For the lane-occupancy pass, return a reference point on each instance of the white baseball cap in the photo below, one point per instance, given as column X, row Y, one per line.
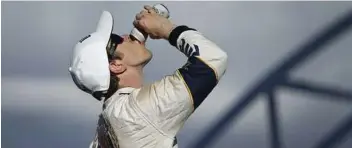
column 89, row 66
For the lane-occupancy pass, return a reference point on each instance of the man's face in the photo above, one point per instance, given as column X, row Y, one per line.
column 129, row 53
column 133, row 53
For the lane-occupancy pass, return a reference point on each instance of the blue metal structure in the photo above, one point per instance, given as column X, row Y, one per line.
column 279, row 77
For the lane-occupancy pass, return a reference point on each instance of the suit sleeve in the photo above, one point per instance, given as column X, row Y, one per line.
column 176, row 96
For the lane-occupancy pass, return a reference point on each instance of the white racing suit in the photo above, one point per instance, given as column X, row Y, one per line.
column 151, row 116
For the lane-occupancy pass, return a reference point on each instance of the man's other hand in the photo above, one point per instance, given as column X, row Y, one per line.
column 156, row 26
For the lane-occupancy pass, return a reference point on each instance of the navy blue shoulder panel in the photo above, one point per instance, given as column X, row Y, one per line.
column 200, row 79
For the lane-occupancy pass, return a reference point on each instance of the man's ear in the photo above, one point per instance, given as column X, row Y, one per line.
column 117, row 67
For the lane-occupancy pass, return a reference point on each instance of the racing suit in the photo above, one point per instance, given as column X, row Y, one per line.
column 151, row 116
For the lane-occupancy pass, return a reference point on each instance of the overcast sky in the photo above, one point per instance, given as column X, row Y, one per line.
column 41, row 106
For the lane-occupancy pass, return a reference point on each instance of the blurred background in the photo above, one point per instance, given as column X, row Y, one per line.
column 41, row 106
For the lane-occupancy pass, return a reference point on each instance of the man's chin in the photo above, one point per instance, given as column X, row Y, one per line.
column 147, row 61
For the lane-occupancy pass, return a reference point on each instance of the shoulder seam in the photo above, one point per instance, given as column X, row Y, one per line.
column 188, row 90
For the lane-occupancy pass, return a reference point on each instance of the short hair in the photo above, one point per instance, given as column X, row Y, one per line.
column 113, row 86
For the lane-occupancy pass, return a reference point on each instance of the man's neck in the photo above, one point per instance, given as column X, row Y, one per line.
column 133, row 78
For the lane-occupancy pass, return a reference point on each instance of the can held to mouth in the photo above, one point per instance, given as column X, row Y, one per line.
column 141, row 36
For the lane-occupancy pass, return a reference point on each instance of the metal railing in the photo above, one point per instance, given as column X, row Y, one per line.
column 279, row 77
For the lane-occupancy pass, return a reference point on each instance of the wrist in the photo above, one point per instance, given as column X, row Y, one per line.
column 176, row 32
column 168, row 31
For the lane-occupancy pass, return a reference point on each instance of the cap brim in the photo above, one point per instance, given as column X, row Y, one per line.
column 104, row 29
column 105, row 25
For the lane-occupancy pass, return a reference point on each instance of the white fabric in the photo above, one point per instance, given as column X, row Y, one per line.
column 89, row 65
column 151, row 116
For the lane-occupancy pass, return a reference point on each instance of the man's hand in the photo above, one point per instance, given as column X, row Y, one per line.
column 156, row 26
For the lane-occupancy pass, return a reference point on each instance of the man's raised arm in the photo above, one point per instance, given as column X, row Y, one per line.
column 168, row 103
column 206, row 62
